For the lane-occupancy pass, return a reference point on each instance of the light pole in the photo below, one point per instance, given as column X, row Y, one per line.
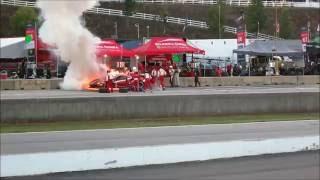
column 258, row 29
column 219, row 23
column 116, row 28
column 138, row 29
column 148, row 27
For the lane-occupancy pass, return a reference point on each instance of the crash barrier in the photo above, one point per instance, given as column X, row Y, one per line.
column 38, row 84
column 252, row 81
column 154, row 106
column 29, row 84
column 93, row 159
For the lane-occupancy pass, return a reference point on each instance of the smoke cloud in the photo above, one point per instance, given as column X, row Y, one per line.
column 76, row 45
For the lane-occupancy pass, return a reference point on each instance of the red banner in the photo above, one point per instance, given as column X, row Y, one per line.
column 241, row 38
column 304, row 36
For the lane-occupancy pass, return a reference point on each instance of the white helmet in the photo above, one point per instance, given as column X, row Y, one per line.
column 134, row 69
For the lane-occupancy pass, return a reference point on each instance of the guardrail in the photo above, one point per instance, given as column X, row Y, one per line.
column 279, row 3
column 151, row 17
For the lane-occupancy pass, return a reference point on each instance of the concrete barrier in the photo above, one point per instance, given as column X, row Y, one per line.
column 64, row 161
column 36, row 84
column 129, row 107
column 29, row 84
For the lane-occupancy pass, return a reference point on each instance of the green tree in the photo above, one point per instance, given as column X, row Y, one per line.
column 130, row 7
column 22, row 17
column 285, row 24
column 255, row 16
column 216, row 19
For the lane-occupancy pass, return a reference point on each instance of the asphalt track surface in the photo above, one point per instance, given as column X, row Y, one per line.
column 18, row 143
column 290, row 166
column 47, row 94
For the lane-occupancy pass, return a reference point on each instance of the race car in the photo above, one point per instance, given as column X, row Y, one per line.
column 120, row 82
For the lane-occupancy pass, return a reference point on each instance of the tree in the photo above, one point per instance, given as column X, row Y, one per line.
column 22, row 17
column 256, row 17
column 130, row 7
column 216, row 19
column 285, row 24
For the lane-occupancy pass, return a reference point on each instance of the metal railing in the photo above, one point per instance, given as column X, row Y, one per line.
column 277, row 3
column 144, row 16
column 233, row 30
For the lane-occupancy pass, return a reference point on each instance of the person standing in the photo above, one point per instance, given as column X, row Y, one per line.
column 147, row 81
column 196, row 78
column 162, row 73
column 177, row 77
column 108, row 82
column 171, row 74
column 154, row 73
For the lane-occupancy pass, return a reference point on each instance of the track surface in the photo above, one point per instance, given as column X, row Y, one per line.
column 112, row 138
column 45, row 94
column 292, row 166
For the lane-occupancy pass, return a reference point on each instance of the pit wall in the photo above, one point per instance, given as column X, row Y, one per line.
column 37, row 84
column 130, row 107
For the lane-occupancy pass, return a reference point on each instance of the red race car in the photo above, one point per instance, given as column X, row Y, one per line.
column 120, row 82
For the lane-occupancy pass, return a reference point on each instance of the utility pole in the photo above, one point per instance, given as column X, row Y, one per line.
column 148, row 33
column 116, row 29
column 258, row 28
column 138, row 29
column 219, row 22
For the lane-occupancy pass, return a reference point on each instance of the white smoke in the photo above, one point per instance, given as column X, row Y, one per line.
column 76, row 45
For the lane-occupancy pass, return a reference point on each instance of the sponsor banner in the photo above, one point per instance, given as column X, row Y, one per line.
column 171, row 43
column 304, row 36
column 30, row 39
column 241, row 38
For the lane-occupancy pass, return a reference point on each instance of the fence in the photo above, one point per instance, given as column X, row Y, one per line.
column 144, row 16
column 266, row 3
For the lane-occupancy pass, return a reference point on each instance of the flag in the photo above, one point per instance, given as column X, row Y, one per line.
column 176, row 58
column 28, row 38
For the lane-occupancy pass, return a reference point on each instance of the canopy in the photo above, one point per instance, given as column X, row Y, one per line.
column 166, row 45
column 272, row 48
column 314, row 46
column 12, row 48
column 113, row 49
column 44, row 46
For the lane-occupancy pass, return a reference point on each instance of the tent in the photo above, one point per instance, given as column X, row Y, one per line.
column 12, row 48
column 112, row 48
column 272, row 48
column 314, row 46
column 166, row 45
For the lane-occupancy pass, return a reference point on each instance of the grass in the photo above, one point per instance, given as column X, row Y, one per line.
column 131, row 123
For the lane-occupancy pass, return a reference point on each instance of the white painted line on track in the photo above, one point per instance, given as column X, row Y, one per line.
column 158, row 127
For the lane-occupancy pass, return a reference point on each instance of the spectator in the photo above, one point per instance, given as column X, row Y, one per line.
column 177, row 77
column 196, row 78
column 229, row 69
column 162, row 73
column 171, row 74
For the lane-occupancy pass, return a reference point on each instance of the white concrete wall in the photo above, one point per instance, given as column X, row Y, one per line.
column 51, row 162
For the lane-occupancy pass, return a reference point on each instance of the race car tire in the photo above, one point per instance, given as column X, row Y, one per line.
column 123, row 90
column 103, row 90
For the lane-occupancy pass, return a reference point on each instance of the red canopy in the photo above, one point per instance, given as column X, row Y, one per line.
column 44, row 46
column 113, row 49
column 166, row 45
